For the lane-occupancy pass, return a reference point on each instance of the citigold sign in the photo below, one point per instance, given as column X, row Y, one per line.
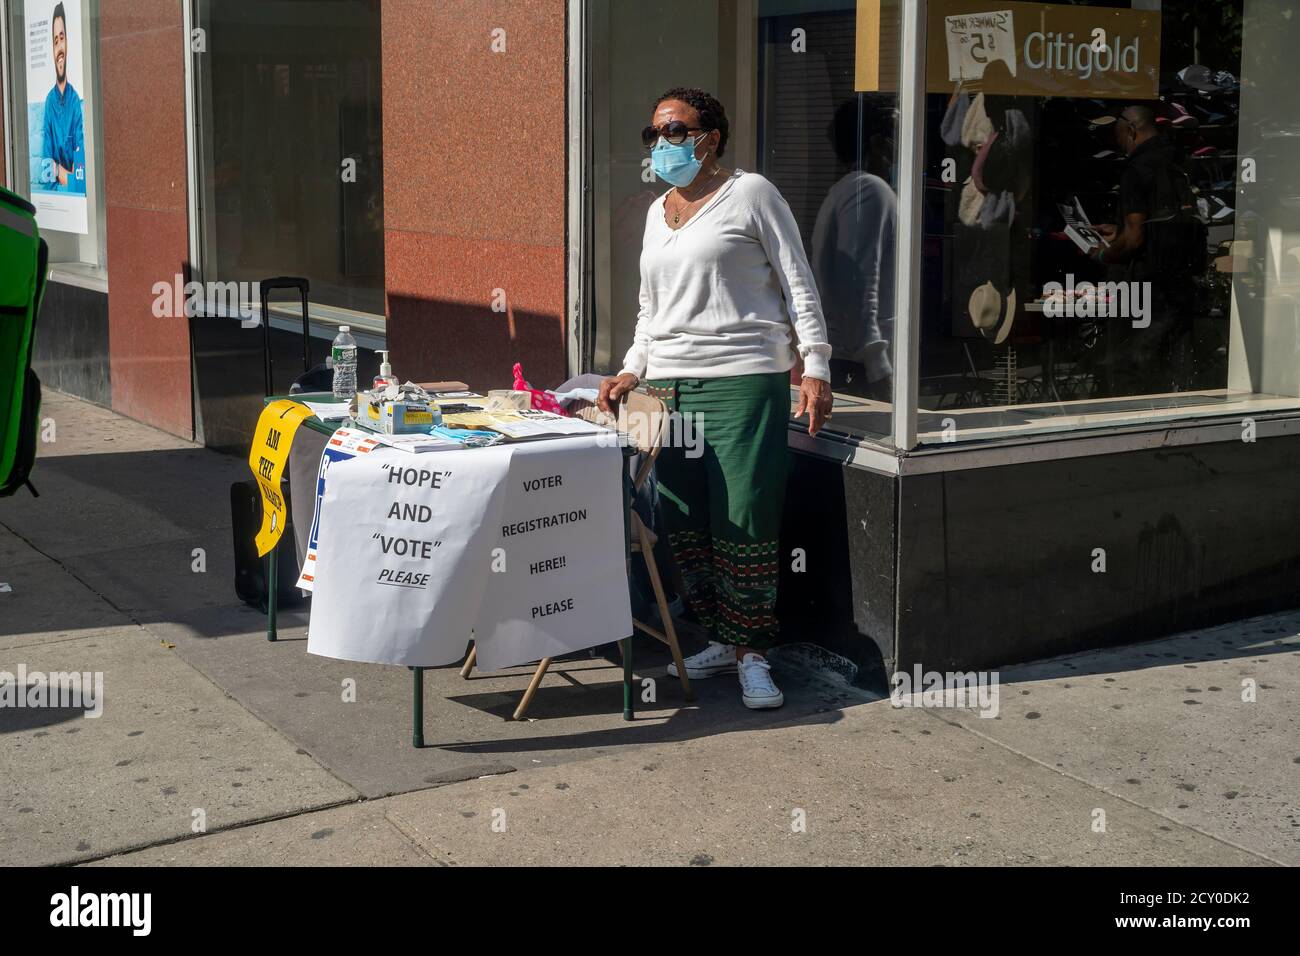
column 1044, row 49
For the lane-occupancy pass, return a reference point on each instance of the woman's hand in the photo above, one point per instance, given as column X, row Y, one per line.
column 612, row 391
column 815, row 399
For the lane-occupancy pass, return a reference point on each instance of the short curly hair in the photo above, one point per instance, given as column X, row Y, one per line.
column 712, row 113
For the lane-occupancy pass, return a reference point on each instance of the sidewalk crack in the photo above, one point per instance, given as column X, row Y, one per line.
column 1100, row 789
column 73, row 574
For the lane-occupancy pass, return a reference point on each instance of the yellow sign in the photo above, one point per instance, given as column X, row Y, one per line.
column 267, row 458
column 1043, row 49
column 875, row 62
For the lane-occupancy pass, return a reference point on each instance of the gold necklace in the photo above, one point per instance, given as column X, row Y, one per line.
column 677, row 216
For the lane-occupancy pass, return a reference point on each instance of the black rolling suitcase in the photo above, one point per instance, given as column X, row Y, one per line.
column 250, row 570
column 246, row 499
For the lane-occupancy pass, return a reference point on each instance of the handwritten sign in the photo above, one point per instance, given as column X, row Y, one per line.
column 266, row 458
column 977, row 39
column 561, row 585
column 522, row 545
column 403, row 554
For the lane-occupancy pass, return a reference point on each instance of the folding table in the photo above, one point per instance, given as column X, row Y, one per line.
column 325, row 430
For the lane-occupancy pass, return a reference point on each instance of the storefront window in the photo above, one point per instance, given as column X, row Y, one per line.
column 53, row 101
column 1166, row 134
column 289, row 147
column 810, row 89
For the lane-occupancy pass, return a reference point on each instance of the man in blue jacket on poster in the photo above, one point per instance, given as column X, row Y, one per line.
column 63, row 145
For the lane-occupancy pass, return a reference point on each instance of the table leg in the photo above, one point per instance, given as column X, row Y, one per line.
column 469, row 662
column 272, row 592
column 625, row 645
column 627, row 677
column 417, row 708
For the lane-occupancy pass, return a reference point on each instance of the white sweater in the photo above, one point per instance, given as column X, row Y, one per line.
column 720, row 295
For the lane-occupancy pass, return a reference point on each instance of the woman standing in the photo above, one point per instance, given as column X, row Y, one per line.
column 724, row 283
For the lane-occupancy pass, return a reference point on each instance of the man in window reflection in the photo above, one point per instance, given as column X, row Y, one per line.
column 63, row 145
column 1158, row 239
column 853, row 259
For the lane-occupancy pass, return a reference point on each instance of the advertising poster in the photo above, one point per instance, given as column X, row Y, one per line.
column 56, row 139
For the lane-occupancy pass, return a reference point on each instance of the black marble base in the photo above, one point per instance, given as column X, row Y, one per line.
column 71, row 350
column 992, row 566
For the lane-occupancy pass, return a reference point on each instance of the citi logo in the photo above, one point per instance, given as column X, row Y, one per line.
column 103, row 909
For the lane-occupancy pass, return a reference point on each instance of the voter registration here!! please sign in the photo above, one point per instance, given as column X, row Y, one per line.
column 521, row 544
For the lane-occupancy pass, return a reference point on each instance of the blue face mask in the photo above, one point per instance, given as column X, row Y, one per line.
column 676, row 164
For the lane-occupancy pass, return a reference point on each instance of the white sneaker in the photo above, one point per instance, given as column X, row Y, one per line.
column 756, row 687
column 713, row 660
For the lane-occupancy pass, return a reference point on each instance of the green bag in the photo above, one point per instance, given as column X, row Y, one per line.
column 25, row 259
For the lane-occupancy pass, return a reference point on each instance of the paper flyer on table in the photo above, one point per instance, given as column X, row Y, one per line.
column 344, row 444
column 417, row 444
column 523, row 423
column 329, row 411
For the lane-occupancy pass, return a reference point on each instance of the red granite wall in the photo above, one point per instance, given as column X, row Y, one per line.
column 474, row 188
column 142, row 73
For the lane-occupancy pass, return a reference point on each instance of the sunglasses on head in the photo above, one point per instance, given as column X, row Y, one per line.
column 674, row 131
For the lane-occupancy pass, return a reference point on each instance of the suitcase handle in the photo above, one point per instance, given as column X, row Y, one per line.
column 267, row 286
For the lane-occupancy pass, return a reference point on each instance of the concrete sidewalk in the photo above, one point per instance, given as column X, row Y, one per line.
column 217, row 747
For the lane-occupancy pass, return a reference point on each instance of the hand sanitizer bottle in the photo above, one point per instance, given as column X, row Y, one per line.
column 385, row 376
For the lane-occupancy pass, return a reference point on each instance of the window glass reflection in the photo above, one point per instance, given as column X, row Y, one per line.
column 1087, row 208
column 290, row 145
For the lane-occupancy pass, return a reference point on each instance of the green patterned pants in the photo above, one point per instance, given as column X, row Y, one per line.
column 722, row 476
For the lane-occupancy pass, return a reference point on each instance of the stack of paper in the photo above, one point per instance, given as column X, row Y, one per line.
column 523, row 424
column 328, row 411
column 416, row 443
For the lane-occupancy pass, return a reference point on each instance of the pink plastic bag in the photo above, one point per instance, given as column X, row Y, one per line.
column 541, row 399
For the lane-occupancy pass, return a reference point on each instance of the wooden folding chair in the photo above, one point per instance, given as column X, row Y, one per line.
column 644, row 421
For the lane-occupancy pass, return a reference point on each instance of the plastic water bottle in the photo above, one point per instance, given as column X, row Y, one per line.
column 343, row 359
